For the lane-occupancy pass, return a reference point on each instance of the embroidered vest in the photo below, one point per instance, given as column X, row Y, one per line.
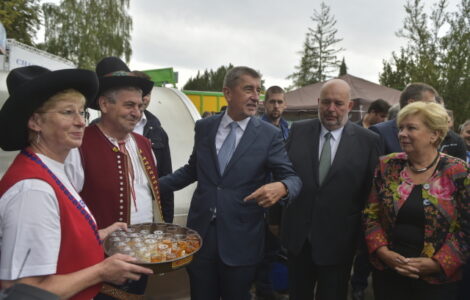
column 106, row 188
column 79, row 244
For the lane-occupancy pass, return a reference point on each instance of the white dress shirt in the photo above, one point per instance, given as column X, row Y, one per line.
column 139, row 127
column 224, row 130
column 334, row 141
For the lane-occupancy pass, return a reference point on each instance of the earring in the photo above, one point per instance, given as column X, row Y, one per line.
column 38, row 137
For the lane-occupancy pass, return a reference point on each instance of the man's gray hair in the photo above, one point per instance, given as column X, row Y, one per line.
column 234, row 74
column 111, row 94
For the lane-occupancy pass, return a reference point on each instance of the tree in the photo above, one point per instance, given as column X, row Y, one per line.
column 21, row 19
column 434, row 56
column 209, row 80
column 456, row 63
column 84, row 31
column 319, row 56
column 343, row 69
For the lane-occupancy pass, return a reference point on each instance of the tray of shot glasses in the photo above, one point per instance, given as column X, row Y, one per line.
column 161, row 247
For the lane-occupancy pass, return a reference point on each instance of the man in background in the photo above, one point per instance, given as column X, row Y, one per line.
column 274, row 106
column 388, row 131
column 377, row 113
column 150, row 127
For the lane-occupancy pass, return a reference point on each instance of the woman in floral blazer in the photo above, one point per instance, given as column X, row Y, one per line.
column 417, row 220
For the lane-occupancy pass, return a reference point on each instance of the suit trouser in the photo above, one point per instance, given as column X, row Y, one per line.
column 211, row 279
column 362, row 267
column 331, row 282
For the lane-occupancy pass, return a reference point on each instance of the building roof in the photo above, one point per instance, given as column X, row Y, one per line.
column 305, row 98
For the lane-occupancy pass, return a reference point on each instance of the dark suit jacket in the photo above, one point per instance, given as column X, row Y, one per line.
column 240, row 225
column 154, row 131
column 388, row 131
column 329, row 215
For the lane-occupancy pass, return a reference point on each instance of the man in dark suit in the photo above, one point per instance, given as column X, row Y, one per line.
column 232, row 155
column 388, row 131
column 335, row 160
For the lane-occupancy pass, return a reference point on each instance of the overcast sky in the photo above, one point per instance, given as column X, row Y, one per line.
column 192, row 35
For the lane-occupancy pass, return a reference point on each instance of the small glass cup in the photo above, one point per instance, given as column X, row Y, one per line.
column 158, row 234
column 144, row 232
column 157, row 256
column 171, row 256
column 150, row 242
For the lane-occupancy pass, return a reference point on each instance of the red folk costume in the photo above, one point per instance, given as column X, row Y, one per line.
column 80, row 246
column 106, row 189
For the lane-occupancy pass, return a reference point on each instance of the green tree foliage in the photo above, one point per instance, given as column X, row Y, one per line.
column 21, row 19
column 437, row 52
column 343, row 69
column 319, row 55
column 85, row 31
column 209, row 80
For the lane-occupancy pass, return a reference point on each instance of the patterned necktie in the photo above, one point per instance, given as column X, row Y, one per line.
column 228, row 147
column 325, row 158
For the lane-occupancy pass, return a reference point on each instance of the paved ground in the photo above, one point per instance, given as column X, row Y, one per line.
column 175, row 286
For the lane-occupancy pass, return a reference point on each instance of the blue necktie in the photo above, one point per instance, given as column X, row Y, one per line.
column 228, row 147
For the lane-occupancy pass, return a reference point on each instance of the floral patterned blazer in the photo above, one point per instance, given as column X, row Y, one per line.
column 446, row 199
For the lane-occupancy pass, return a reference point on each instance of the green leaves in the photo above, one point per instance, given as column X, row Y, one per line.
column 209, row 80
column 85, row 31
column 437, row 52
column 21, row 19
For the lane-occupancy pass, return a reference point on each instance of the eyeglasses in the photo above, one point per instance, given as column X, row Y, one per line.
column 69, row 114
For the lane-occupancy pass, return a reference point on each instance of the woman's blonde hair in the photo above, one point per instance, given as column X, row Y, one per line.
column 433, row 115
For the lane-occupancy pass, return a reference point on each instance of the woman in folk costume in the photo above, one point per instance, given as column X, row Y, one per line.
column 49, row 238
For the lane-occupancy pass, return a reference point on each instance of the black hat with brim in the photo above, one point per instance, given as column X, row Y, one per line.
column 114, row 73
column 29, row 87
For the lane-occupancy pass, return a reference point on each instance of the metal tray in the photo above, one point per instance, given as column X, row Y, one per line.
column 167, row 265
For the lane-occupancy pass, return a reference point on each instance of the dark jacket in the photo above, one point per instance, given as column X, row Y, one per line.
column 454, row 145
column 329, row 215
column 240, row 225
column 388, row 131
column 159, row 141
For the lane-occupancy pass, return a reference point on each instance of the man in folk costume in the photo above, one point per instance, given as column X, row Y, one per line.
column 115, row 169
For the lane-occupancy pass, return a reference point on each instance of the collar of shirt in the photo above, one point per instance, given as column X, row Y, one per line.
column 336, row 134
column 115, row 141
column 224, row 130
column 139, row 127
column 334, row 141
column 226, row 120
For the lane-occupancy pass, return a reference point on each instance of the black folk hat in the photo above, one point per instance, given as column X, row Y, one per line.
column 29, row 87
column 113, row 72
